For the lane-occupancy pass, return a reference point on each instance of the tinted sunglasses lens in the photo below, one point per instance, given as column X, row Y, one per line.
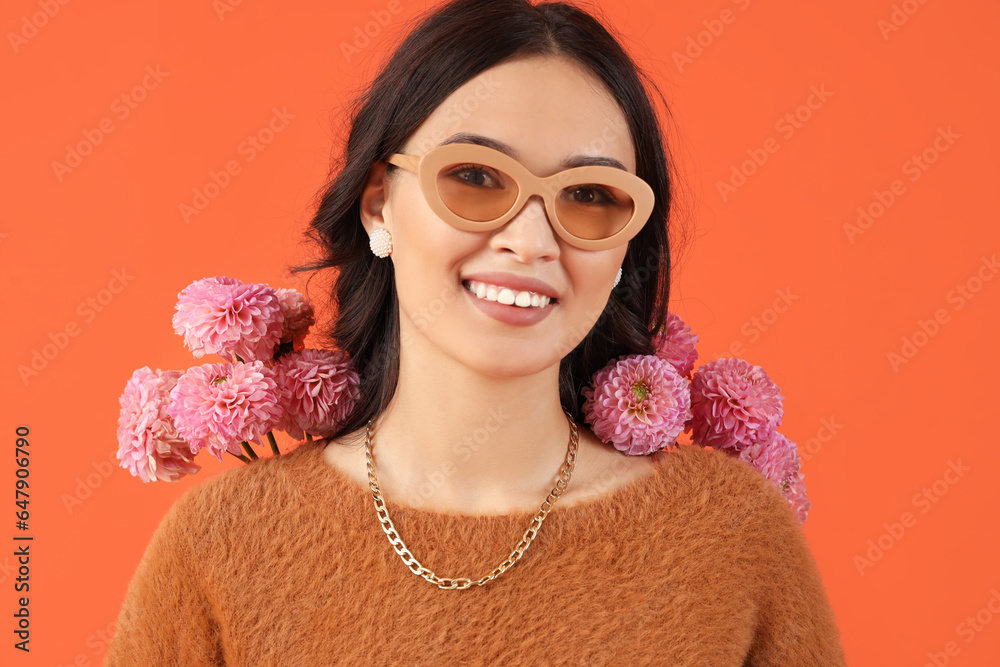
column 593, row 211
column 476, row 192
column 481, row 193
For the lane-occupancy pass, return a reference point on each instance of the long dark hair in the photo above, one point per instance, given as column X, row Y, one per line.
column 450, row 45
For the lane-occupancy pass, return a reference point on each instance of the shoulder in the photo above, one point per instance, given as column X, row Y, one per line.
column 710, row 468
column 234, row 516
column 720, row 487
column 238, row 494
column 719, row 515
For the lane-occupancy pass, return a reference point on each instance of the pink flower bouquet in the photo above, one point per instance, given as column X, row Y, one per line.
column 268, row 381
column 641, row 403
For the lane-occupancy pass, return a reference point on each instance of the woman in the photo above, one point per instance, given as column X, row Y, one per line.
column 476, row 300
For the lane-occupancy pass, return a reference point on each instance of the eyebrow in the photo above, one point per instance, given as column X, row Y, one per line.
column 568, row 163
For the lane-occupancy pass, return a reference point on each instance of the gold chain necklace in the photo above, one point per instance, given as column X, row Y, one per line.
column 460, row 583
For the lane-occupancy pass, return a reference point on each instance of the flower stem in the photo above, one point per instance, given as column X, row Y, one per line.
column 309, row 437
column 274, row 445
column 249, row 450
column 240, row 457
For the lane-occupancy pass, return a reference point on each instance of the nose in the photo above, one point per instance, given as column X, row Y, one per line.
column 529, row 233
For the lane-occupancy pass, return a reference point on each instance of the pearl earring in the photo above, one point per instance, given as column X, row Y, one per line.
column 617, row 278
column 380, row 242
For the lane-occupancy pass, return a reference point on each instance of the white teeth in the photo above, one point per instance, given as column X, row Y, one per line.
column 505, row 295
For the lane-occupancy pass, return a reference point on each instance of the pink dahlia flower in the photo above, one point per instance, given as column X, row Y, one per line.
column 639, row 404
column 318, row 389
column 298, row 316
column 148, row 443
column 223, row 316
column 795, row 494
column 218, row 406
column 777, row 459
column 735, row 404
column 676, row 344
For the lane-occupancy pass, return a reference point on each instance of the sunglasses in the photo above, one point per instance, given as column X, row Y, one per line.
column 478, row 189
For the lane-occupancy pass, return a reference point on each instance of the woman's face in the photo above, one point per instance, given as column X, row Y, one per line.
column 547, row 110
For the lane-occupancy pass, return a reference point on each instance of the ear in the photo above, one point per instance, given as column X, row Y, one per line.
column 373, row 198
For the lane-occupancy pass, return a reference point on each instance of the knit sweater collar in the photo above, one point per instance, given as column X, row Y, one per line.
column 334, row 494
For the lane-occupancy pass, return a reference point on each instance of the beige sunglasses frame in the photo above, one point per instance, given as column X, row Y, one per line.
column 427, row 166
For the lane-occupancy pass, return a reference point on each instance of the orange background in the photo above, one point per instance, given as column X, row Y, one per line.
column 895, row 430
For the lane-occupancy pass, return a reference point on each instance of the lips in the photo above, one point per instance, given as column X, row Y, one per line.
column 513, row 281
column 507, row 296
column 512, row 315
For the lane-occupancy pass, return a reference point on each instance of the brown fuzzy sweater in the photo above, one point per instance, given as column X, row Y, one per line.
column 284, row 562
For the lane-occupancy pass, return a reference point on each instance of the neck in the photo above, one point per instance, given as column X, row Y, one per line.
column 453, row 437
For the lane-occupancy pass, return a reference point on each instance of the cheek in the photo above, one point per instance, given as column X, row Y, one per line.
column 592, row 273
column 592, row 276
column 426, row 265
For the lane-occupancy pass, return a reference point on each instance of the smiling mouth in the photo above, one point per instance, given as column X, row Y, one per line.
column 508, row 296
